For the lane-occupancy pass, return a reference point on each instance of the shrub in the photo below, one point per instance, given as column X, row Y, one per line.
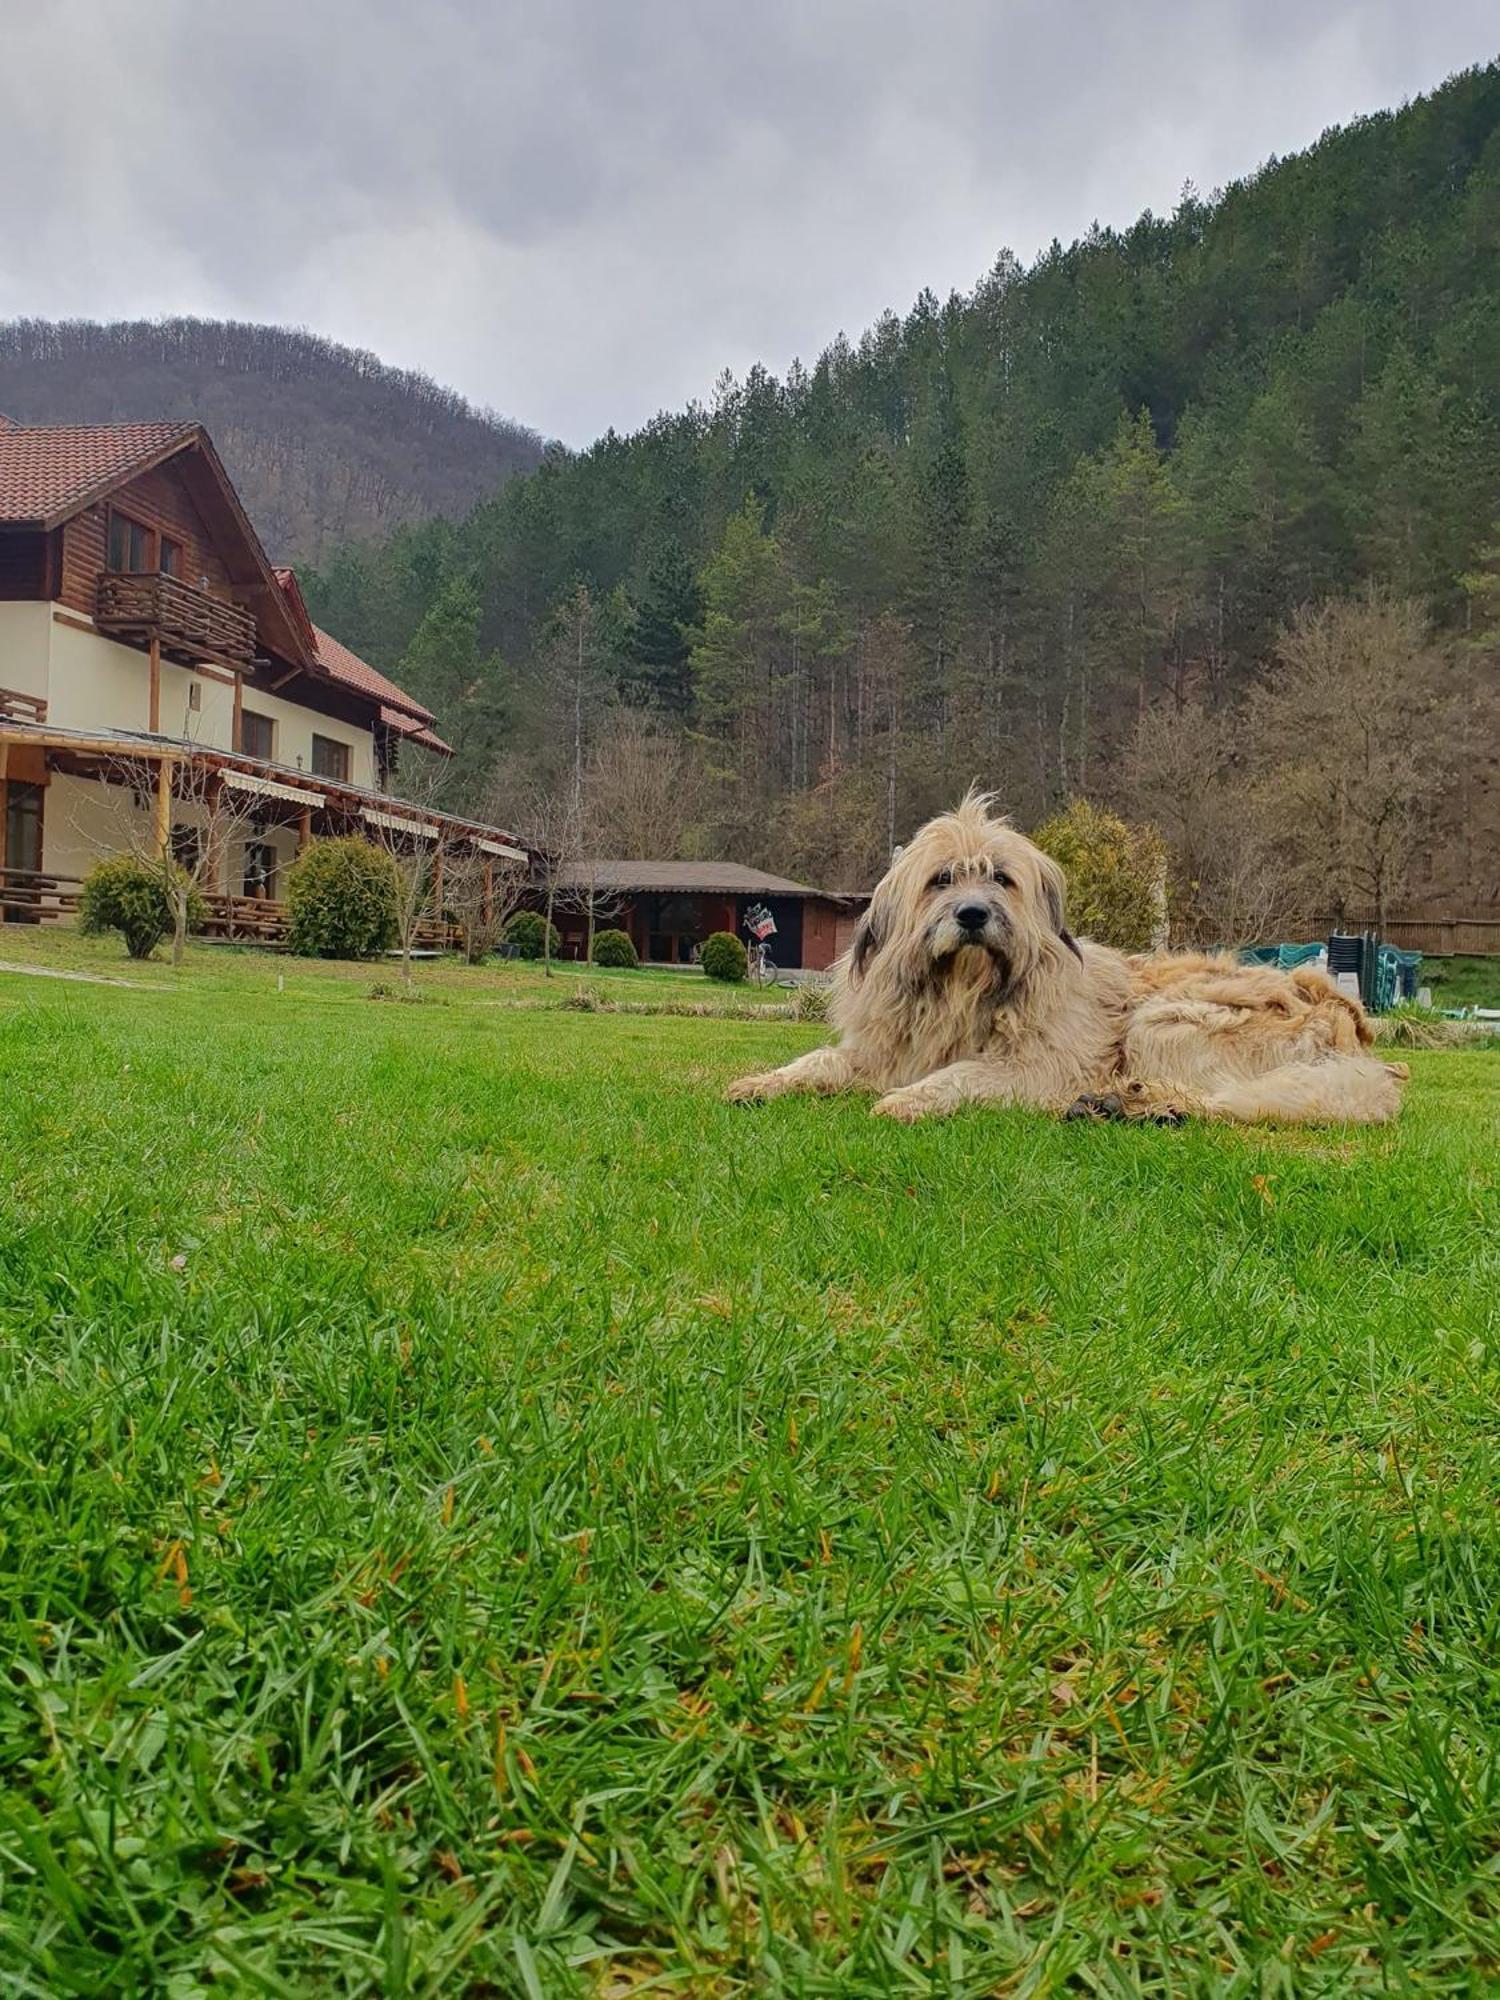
column 341, row 898
column 1116, row 873
column 131, row 896
column 614, row 948
column 724, row 957
column 811, row 1000
column 527, row 932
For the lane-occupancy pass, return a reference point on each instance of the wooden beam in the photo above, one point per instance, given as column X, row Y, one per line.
column 304, row 830
column 489, row 893
column 4, row 798
column 154, row 708
column 164, row 805
column 239, row 709
column 213, row 865
column 437, row 883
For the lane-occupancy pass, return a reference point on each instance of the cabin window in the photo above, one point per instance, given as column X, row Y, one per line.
column 257, row 735
column 330, row 759
column 130, row 545
column 171, row 557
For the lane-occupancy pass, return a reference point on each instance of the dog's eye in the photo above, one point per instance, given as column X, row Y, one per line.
column 1004, row 881
column 942, row 880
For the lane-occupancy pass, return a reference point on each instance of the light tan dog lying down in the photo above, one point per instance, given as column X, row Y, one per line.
column 964, row 986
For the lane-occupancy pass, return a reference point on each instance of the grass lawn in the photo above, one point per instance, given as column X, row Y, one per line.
column 481, row 1516
column 1463, row 982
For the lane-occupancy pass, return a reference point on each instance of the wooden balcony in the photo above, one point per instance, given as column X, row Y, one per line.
column 29, row 709
column 187, row 623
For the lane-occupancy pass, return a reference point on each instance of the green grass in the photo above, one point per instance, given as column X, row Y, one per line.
column 1463, row 982
column 479, row 1515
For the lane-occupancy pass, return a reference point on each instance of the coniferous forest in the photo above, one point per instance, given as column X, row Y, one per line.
column 1199, row 520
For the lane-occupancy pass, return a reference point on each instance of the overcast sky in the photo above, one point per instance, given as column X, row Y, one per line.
column 581, row 212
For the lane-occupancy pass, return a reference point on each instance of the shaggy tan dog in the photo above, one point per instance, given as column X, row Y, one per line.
column 964, row 985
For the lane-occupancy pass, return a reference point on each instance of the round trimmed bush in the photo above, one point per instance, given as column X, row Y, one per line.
column 527, row 934
column 341, row 898
column 614, row 948
column 724, row 957
column 1117, row 874
column 130, row 896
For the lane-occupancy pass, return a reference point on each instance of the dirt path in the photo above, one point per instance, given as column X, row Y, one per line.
column 81, row 978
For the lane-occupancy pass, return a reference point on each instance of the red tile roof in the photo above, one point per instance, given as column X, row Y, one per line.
column 415, row 732
column 340, row 664
column 49, row 471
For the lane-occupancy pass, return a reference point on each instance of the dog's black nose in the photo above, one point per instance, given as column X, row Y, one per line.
column 973, row 916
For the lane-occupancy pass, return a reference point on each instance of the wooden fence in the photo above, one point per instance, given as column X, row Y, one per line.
column 1436, row 937
column 28, row 896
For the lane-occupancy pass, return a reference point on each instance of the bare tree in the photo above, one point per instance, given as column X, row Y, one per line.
column 415, row 834
column 646, row 788
column 483, row 891
column 1351, row 738
column 178, row 817
column 551, row 822
column 1186, row 771
column 583, row 890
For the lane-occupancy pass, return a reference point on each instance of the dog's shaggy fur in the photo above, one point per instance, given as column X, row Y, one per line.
column 964, row 985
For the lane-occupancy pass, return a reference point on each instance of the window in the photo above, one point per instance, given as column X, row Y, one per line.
column 130, row 545
column 171, row 557
column 330, row 759
column 260, row 870
column 257, row 735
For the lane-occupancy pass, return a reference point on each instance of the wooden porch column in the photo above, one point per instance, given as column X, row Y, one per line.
column 163, row 805
column 214, row 859
column 489, row 888
column 239, row 704
column 154, row 709
column 304, row 830
column 437, row 883
column 4, row 797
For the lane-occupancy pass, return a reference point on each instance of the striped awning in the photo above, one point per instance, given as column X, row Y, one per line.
column 396, row 824
column 269, row 788
column 499, row 847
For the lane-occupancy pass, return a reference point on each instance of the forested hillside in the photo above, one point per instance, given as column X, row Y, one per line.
column 1197, row 519
column 327, row 446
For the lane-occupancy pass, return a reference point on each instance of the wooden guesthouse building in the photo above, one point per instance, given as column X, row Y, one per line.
column 150, row 653
column 668, row 909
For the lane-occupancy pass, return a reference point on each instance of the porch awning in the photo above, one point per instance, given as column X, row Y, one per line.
column 243, row 781
column 499, row 847
column 419, row 827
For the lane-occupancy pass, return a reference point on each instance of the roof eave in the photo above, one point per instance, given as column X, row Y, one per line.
column 107, row 482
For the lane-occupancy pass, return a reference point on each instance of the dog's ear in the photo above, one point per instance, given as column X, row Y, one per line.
column 867, row 941
column 1054, row 889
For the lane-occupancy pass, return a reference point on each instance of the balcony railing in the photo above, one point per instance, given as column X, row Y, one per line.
column 182, row 618
column 27, row 708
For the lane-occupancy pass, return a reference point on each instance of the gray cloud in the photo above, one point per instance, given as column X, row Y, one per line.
column 581, row 212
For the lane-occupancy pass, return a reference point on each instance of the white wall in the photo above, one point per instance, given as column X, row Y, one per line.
column 85, row 820
column 295, row 728
column 25, row 637
column 91, row 682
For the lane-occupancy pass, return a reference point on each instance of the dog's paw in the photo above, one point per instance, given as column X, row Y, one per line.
column 906, row 1105
column 1097, row 1109
column 750, row 1090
